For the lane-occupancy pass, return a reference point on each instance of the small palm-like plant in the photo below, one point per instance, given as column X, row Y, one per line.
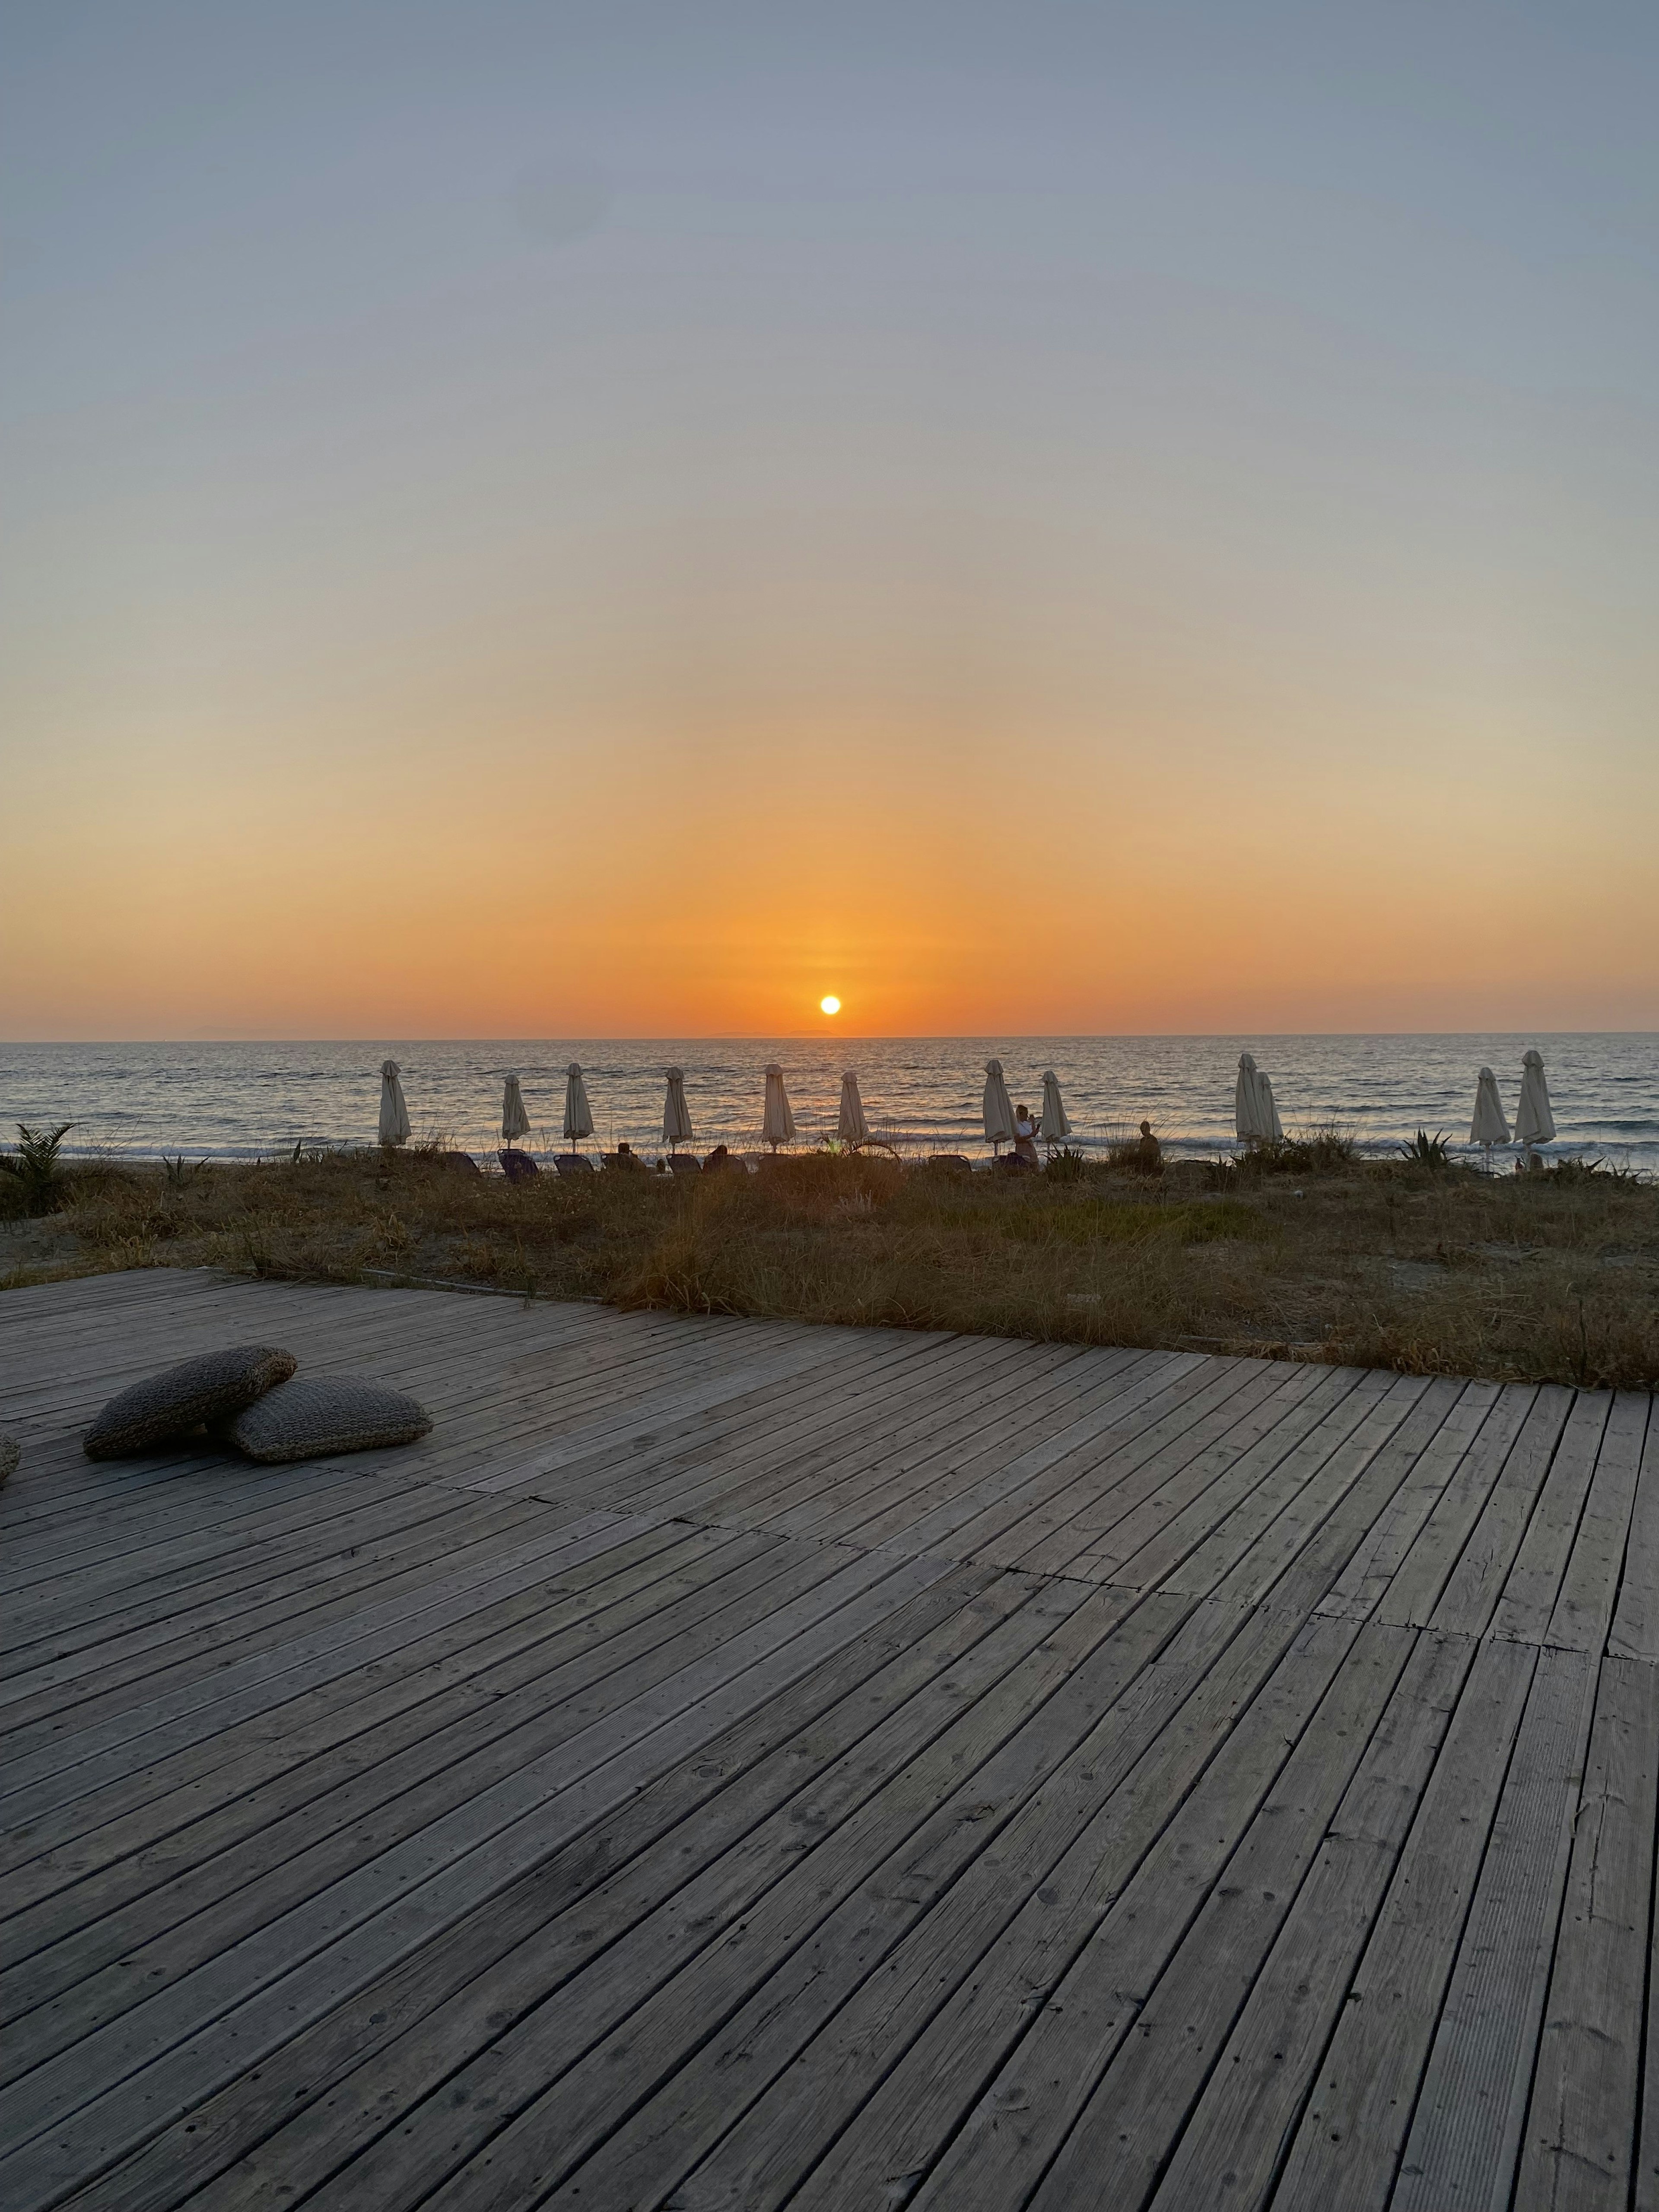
column 1572, row 1169
column 1068, row 1164
column 33, row 1167
column 1427, row 1152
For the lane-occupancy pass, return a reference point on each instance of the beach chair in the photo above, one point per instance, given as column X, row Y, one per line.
column 517, row 1167
column 573, row 1164
column 949, row 1162
column 684, row 1164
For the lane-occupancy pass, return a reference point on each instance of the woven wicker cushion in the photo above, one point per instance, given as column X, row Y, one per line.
column 181, row 1399
column 10, row 1452
column 325, row 1414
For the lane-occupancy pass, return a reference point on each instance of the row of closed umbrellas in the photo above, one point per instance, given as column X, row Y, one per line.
column 777, row 1116
column 1255, row 1111
column 1255, row 1114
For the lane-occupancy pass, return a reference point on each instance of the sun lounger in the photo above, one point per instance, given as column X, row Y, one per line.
column 950, row 1163
column 684, row 1164
column 517, row 1167
column 573, row 1164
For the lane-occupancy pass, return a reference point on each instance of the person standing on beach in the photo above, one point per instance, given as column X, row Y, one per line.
column 1149, row 1153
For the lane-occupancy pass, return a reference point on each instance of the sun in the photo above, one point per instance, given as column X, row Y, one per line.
column 830, row 1005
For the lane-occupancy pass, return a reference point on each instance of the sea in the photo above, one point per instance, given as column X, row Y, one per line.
column 239, row 1100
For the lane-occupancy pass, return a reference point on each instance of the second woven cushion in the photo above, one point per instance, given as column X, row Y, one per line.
column 319, row 1415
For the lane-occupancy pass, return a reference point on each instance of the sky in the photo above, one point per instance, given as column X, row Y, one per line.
column 623, row 520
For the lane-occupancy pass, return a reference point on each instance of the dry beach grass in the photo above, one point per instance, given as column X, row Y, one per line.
column 1420, row 1268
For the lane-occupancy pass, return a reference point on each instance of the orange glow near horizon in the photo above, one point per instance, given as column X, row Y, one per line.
column 950, row 900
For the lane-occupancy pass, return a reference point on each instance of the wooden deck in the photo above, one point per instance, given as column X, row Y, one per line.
column 734, row 1764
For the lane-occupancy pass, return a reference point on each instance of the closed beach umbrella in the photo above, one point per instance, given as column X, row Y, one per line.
column 1270, row 1109
column 1256, row 1116
column 394, row 1114
column 1246, row 1104
column 1534, row 1124
column 777, row 1123
column 578, row 1114
column 997, row 1108
column 850, row 1125
column 515, row 1122
column 1054, row 1127
column 676, row 1114
column 1489, row 1125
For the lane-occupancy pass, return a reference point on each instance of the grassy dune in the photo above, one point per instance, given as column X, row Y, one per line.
column 1423, row 1269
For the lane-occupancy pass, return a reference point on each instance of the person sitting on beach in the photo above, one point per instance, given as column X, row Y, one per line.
column 1026, row 1130
column 720, row 1158
column 1149, row 1153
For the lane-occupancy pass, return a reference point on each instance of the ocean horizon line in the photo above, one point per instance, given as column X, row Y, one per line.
column 823, row 1036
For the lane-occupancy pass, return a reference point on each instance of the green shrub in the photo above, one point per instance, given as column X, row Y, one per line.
column 1570, row 1172
column 1328, row 1150
column 34, row 1180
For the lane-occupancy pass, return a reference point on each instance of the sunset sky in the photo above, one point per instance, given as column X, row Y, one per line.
column 567, row 519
